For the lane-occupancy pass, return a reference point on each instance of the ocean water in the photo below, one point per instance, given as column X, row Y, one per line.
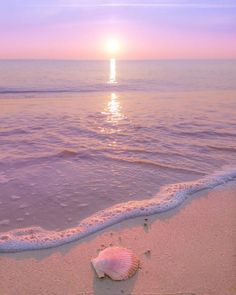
column 80, row 137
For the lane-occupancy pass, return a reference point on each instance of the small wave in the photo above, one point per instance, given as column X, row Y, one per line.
column 154, row 164
column 90, row 88
column 223, row 149
column 168, row 198
column 67, row 153
column 207, row 133
column 12, row 132
column 83, row 89
column 28, row 161
column 43, row 91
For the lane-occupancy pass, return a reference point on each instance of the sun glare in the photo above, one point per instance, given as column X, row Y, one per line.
column 113, row 46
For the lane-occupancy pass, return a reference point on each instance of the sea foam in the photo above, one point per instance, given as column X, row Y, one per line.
column 168, row 198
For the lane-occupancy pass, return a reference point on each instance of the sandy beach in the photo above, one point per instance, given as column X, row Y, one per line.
column 189, row 250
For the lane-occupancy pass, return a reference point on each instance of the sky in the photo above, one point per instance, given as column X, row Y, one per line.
column 151, row 29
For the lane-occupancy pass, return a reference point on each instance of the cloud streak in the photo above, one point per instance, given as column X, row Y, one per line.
column 137, row 4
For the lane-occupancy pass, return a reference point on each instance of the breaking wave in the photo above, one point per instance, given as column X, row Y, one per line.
column 168, row 198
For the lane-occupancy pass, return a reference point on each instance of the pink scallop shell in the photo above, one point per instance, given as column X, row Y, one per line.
column 116, row 262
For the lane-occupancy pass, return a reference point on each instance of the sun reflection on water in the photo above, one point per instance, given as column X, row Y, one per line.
column 112, row 77
column 113, row 109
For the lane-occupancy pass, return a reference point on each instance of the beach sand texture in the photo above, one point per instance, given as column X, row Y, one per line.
column 189, row 251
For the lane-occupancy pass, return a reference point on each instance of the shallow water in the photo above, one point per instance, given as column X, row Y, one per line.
column 72, row 144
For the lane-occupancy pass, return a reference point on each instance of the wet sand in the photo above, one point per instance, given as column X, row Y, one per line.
column 189, row 250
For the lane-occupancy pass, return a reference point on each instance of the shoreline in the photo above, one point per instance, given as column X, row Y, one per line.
column 188, row 250
column 168, row 198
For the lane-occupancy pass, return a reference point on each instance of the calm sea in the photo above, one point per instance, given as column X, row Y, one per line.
column 80, row 136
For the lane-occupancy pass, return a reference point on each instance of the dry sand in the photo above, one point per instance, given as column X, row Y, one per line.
column 189, row 250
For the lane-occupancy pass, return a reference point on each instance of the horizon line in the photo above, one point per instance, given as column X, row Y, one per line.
column 123, row 59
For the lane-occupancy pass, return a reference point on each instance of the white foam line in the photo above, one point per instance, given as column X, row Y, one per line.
column 168, row 198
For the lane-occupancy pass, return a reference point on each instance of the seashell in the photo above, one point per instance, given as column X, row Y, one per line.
column 116, row 262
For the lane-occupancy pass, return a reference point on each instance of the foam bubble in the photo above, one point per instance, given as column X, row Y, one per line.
column 168, row 198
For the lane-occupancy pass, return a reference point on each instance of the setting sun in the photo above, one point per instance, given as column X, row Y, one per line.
column 113, row 46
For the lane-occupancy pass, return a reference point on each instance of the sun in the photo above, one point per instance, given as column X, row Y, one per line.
column 113, row 46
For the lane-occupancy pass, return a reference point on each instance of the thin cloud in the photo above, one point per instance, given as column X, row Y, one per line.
column 136, row 4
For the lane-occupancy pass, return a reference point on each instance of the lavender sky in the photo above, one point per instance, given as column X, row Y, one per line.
column 79, row 29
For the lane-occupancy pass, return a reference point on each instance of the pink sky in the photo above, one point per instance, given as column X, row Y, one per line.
column 80, row 31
